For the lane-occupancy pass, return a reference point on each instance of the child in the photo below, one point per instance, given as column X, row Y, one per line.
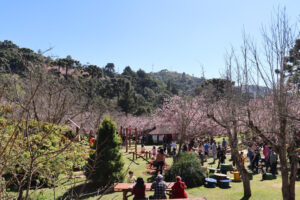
column 131, row 178
column 154, row 152
column 143, row 150
column 242, row 157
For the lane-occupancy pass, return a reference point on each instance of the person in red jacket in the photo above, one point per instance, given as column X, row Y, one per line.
column 178, row 189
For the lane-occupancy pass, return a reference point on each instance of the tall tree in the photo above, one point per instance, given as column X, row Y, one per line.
column 228, row 111
column 126, row 101
column 278, row 40
column 109, row 69
column 106, row 164
column 182, row 115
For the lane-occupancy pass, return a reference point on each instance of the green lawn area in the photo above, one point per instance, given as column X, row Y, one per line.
column 261, row 190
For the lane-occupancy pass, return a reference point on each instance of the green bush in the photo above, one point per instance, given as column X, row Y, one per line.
column 105, row 165
column 188, row 167
column 51, row 153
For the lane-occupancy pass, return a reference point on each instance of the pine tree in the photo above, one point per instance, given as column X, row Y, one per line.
column 127, row 101
column 105, row 165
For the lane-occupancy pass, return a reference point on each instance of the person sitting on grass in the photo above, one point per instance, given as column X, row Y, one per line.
column 143, row 149
column 178, row 191
column 160, row 161
column 131, row 178
column 159, row 186
column 139, row 189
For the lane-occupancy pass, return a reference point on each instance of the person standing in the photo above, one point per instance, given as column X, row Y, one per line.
column 174, row 146
column 160, row 161
column 224, row 144
column 154, row 152
column 273, row 162
column 222, row 158
column 214, row 151
column 206, row 150
column 255, row 161
column 184, row 148
column 266, row 152
column 139, row 189
column 178, row 189
column 159, row 186
column 242, row 157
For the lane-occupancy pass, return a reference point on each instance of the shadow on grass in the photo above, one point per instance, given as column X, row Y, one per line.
column 245, row 198
column 133, row 161
column 82, row 191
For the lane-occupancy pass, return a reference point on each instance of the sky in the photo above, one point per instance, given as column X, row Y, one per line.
column 177, row 35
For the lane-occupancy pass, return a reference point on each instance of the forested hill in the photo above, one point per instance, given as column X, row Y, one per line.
column 181, row 81
column 135, row 92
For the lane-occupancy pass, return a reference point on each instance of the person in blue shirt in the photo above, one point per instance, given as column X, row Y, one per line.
column 206, row 150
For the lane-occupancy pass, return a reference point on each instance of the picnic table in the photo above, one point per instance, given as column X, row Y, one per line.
column 127, row 187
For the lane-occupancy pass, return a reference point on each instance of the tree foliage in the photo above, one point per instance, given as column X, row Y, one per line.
column 188, row 167
column 39, row 153
column 105, row 165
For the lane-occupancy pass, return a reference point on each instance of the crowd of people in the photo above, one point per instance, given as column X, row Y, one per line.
column 207, row 147
column 269, row 160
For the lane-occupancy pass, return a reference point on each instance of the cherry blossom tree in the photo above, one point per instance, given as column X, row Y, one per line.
column 274, row 117
column 184, row 115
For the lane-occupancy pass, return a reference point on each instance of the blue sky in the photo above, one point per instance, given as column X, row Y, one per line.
column 178, row 35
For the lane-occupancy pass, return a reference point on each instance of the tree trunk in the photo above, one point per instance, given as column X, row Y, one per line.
column 20, row 196
column 293, row 177
column 241, row 168
column 285, row 174
column 288, row 180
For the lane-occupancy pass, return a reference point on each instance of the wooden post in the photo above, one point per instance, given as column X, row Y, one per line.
column 121, row 135
column 136, row 139
column 132, row 155
column 126, row 140
column 130, row 138
column 121, row 132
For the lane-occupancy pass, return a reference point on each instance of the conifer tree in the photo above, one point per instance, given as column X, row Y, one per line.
column 105, row 164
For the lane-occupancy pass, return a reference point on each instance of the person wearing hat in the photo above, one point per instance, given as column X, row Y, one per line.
column 178, row 191
column 159, row 186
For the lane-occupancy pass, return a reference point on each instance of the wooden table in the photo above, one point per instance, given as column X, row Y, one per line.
column 127, row 187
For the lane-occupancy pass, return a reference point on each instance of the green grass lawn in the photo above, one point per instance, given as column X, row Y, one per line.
column 261, row 190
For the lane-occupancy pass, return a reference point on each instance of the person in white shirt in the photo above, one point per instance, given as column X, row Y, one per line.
column 174, row 147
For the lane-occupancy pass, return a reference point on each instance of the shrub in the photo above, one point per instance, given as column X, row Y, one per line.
column 188, row 167
column 105, row 164
column 50, row 152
